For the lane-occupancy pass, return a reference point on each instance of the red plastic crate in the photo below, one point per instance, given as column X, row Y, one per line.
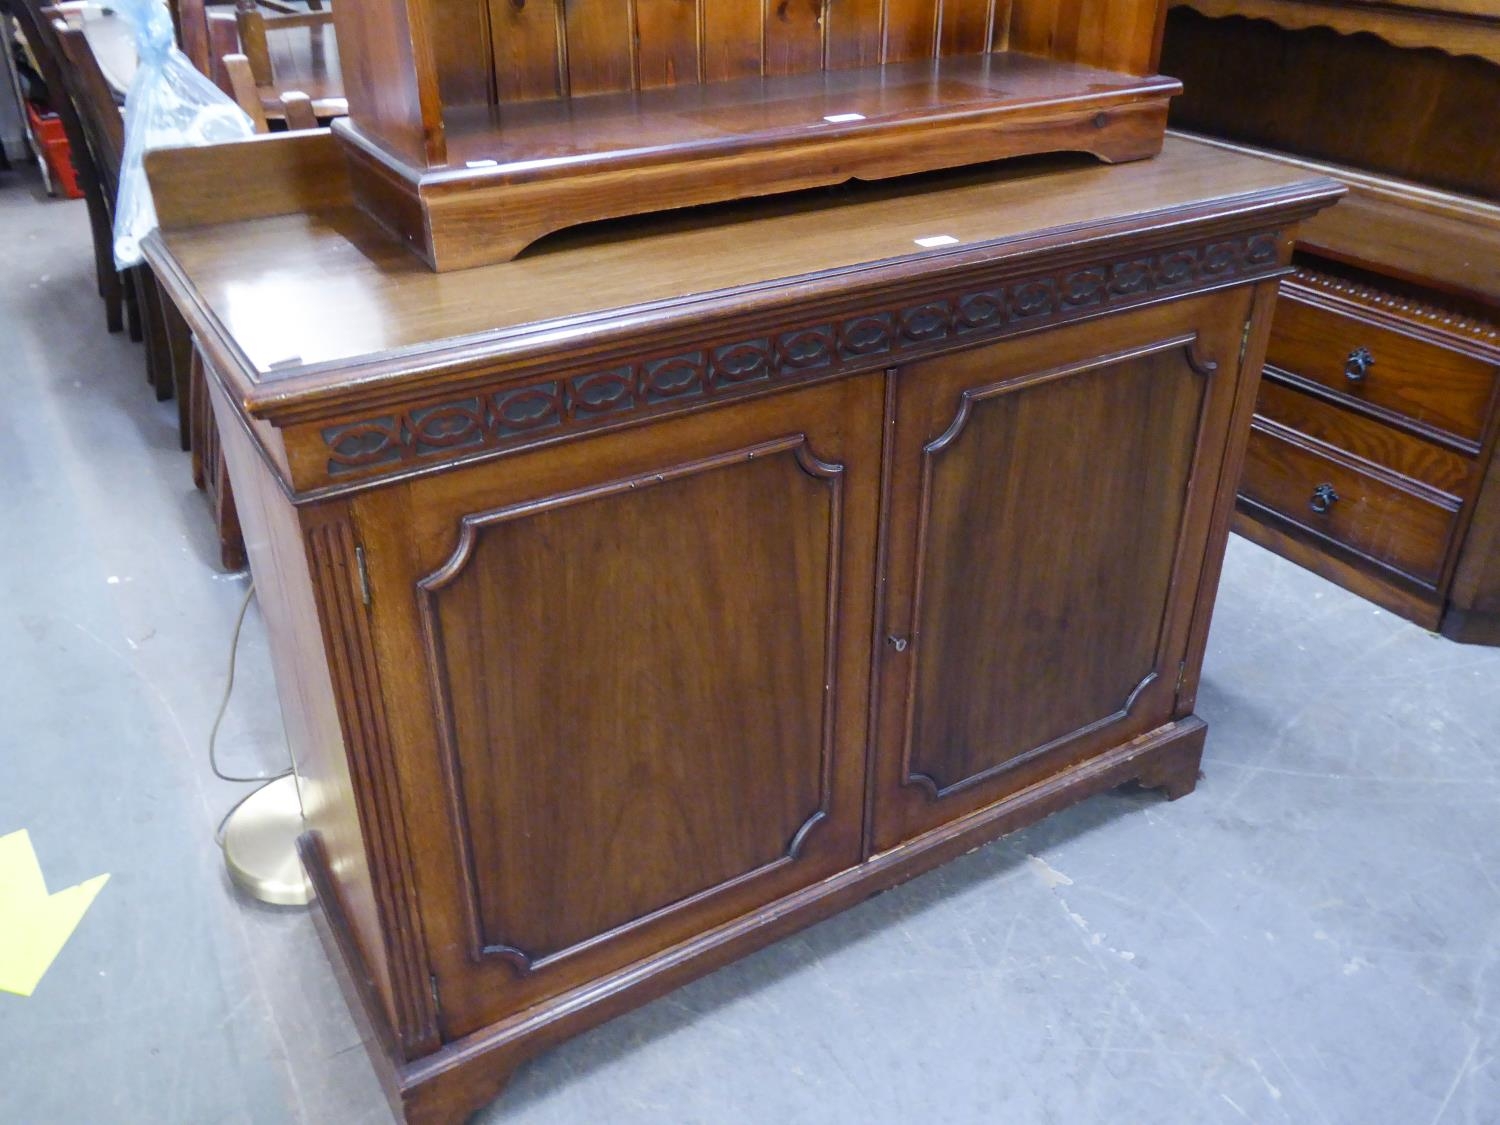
column 47, row 128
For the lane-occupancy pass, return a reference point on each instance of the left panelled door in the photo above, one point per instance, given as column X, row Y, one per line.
column 627, row 678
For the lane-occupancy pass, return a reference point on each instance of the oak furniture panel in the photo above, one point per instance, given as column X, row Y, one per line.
column 1332, row 95
column 1456, row 27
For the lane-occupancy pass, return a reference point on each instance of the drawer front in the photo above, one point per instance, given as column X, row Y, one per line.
column 1366, row 438
column 1388, row 524
column 1409, row 376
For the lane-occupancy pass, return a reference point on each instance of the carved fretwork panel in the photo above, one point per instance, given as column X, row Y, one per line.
column 634, row 682
column 739, row 364
column 1078, row 482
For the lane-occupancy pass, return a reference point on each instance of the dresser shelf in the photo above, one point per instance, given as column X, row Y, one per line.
column 475, row 127
column 518, row 171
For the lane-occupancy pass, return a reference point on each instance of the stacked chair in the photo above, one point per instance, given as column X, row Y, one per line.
column 230, row 45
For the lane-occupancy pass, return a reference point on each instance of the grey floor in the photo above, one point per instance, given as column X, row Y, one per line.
column 1313, row 937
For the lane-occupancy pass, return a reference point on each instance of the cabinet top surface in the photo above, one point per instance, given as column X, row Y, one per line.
column 318, row 299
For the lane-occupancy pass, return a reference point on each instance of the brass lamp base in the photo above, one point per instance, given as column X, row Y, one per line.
column 260, row 845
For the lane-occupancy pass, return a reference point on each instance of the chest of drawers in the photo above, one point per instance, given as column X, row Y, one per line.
column 1372, row 459
column 1372, row 433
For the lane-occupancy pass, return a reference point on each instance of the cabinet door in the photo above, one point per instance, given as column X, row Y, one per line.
column 1050, row 504
column 630, row 684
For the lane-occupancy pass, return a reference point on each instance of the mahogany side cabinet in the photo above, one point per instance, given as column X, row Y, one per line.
column 687, row 580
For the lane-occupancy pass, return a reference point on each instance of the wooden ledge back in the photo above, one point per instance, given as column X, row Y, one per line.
column 405, row 62
column 275, row 174
column 498, row 51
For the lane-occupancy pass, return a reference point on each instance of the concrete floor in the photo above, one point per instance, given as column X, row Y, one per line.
column 1312, row 937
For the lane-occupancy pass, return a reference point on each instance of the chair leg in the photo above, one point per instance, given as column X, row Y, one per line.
column 114, row 300
column 104, row 255
column 203, row 438
column 140, row 329
column 180, row 354
column 158, row 352
column 132, row 307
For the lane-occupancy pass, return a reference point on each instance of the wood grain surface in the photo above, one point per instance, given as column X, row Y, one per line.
column 1439, row 389
column 1390, row 522
column 641, row 683
column 1327, row 96
column 1049, row 502
column 1403, row 229
column 1456, row 27
column 1369, row 439
column 609, row 626
column 306, row 290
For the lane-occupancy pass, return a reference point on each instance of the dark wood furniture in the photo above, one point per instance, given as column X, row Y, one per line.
column 1301, row 86
column 1456, row 28
column 161, row 328
column 1372, row 460
column 475, row 128
column 287, row 51
column 641, row 600
column 41, row 37
column 292, row 51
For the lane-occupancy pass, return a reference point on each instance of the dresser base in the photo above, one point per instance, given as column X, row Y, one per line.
column 454, row 1082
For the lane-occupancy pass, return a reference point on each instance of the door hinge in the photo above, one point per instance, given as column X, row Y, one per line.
column 364, row 574
column 1181, row 676
column 437, row 1005
column 1245, row 340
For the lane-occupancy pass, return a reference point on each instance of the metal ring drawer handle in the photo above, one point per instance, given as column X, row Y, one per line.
column 1358, row 365
column 1323, row 498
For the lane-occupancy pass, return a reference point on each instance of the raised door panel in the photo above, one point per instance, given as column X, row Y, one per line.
column 620, row 687
column 1050, row 507
column 642, row 681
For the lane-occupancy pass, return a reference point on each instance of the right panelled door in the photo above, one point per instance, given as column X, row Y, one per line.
column 1048, row 515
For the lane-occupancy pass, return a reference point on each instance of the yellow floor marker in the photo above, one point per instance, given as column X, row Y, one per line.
column 34, row 926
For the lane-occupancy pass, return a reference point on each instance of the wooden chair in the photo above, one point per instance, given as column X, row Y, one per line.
column 104, row 130
column 206, row 33
column 44, row 47
column 96, row 135
column 171, row 359
column 256, row 18
column 191, row 20
column 270, row 73
column 296, row 107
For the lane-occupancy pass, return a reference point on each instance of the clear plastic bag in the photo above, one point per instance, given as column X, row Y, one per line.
column 169, row 105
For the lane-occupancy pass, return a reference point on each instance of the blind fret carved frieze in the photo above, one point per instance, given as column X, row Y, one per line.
column 565, row 403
